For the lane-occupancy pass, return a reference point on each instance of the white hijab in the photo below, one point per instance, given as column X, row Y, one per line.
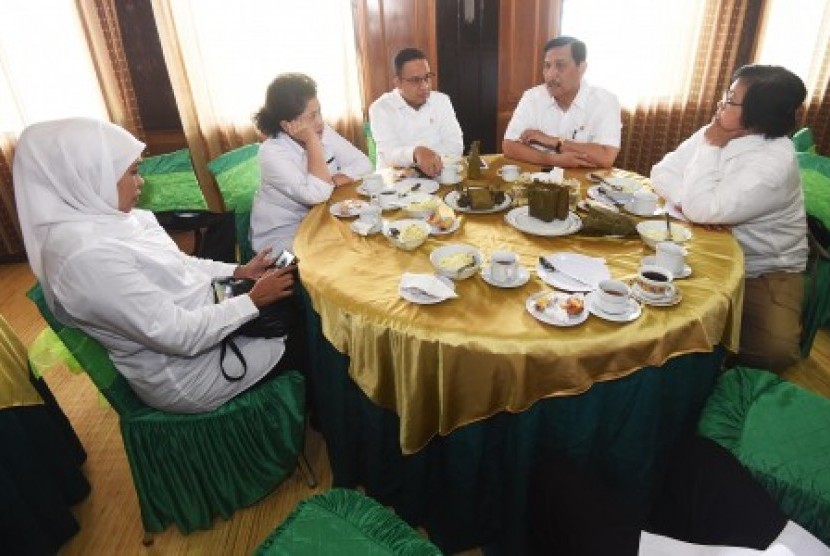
column 65, row 175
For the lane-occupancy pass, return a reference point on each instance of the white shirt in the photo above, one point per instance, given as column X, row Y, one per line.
column 152, row 307
column 751, row 184
column 288, row 191
column 397, row 128
column 593, row 116
column 792, row 541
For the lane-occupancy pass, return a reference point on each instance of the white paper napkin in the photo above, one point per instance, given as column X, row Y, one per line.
column 363, row 228
column 557, row 175
column 427, row 283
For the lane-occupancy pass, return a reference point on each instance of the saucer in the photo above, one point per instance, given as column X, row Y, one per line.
column 348, row 208
column 632, row 312
column 522, row 276
column 628, row 207
column 373, row 230
column 640, row 295
column 687, row 270
column 547, row 318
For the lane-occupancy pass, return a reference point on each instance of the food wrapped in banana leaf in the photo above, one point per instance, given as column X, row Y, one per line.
column 604, row 222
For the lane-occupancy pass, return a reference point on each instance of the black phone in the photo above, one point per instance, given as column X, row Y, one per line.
column 546, row 168
column 284, row 259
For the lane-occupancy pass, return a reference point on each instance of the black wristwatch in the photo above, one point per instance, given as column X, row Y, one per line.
column 557, row 148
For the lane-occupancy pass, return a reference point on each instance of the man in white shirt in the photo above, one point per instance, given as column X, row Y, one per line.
column 565, row 121
column 413, row 125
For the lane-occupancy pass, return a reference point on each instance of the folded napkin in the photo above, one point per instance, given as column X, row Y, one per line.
column 557, row 175
column 363, row 228
column 429, row 284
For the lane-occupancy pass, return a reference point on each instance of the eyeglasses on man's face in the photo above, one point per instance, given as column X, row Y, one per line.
column 419, row 80
column 727, row 100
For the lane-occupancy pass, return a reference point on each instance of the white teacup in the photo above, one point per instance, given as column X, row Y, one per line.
column 671, row 257
column 450, row 173
column 370, row 214
column 612, row 296
column 509, row 172
column 644, row 202
column 504, row 267
column 373, row 183
column 387, row 199
column 656, row 282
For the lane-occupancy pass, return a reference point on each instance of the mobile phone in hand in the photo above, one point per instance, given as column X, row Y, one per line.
column 285, row 258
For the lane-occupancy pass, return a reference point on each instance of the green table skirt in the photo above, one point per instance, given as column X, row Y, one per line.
column 468, row 488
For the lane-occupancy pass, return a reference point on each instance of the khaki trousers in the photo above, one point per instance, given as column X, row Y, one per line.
column 771, row 322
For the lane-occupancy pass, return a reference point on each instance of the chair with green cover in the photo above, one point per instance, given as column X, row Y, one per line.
column 170, row 184
column 371, row 148
column 237, row 175
column 344, row 522
column 188, row 468
column 803, row 141
column 815, row 180
column 781, row 433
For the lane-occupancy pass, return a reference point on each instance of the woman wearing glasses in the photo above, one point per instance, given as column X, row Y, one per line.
column 740, row 172
column 301, row 162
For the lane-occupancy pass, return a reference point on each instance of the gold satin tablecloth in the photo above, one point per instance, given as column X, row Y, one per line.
column 442, row 366
column 15, row 388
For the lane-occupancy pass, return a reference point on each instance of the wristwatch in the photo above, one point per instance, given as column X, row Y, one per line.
column 557, row 148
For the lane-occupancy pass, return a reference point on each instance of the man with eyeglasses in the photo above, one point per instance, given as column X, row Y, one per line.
column 413, row 125
column 565, row 121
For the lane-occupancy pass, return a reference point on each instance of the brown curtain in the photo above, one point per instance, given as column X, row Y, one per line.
column 11, row 241
column 817, row 113
column 652, row 130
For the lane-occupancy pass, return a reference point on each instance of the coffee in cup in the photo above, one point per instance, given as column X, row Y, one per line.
column 644, row 202
column 504, row 267
column 373, row 183
column 612, row 296
column 509, row 172
column 655, row 281
column 671, row 257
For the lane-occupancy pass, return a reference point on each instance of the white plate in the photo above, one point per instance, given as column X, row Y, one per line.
column 372, row 231
column 659, row 211
column 596, row 194
column 522, row 221
column 639, row 295
column 422, row 298
column 585, row 205
column 561, row 281
column 687, row 270
column 585, row 269
column 348, row 208
column 522, row 276
column 452, row 200
column 633, row 311
column 421, row 185
column 548, row 319
column 436, row 231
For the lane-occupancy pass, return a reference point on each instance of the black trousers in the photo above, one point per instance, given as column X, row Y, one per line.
column 708, row 497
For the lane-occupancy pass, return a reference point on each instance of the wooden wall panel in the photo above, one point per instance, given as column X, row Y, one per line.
column 524, row 28
column 383, row 27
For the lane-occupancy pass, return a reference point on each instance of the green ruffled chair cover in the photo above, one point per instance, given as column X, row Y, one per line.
column 815, row 179
column 803, row 141
column 237, row 175
column 170, row 183
column 188, row 468
column 781, row 433
column 371, row 147
column 344, row 522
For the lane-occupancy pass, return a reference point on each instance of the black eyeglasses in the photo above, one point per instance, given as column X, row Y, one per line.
column 417, row 80
column 728, row 100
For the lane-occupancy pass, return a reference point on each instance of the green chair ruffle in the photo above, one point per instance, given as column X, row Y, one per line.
column 170, row 183
column 344, row 522
column 188, row 468
column 781, row 433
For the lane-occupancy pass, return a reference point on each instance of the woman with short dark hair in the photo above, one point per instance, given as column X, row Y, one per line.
column 740, row 172
column 301, row 162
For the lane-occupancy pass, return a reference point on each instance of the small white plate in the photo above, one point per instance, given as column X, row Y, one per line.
column 372, row 231
column 452, row 200
column 522, row 276
column 416, row 185
column 597, row 195
column 632, row 312
column 659, row 211
column 561, row 281
column 548, row 319
column 579, row 267
column 640, row 295
column 348, row 208
column 423, row 298
column 520, row 219
column 436, row 231
column 687, row 270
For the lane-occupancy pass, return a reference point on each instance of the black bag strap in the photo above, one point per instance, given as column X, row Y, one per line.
column 229, row 343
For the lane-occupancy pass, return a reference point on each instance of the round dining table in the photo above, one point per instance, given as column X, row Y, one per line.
column 440, row 386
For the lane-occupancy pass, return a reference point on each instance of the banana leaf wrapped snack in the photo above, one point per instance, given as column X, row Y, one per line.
column 547, row 201
column 601, row 221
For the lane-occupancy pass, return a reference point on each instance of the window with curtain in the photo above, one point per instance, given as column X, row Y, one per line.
column 46, row 69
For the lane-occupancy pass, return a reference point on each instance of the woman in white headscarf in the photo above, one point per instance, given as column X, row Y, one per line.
column 112, row 271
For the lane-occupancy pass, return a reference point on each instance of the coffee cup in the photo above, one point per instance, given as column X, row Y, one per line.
column 671, row 257
column 387, row 199
column 509, row 172
column 373, row 183
column 644, row 202
column 370, row 214
column 450, row 173
column 612, row 296
column 655, row 282
column 504, row 267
